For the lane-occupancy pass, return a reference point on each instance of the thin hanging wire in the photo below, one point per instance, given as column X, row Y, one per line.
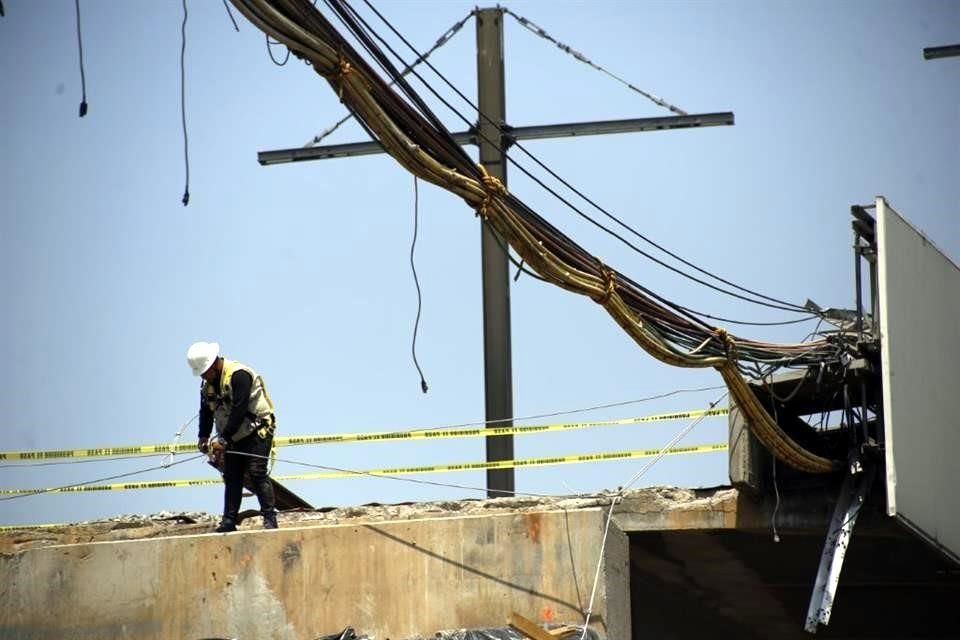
column 168, row 459
column 673, row 442
column 270, row 52
column 416, row 281
column 596, row 407
column 442, row 40
column 83, row 75
column 596, row 576
column 226, row 6
column 386, row 476
column 96, row 481
column 183, row 105
column 619, row 496
column 536, row 29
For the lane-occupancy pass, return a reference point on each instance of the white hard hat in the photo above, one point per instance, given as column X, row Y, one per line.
column 201, row 355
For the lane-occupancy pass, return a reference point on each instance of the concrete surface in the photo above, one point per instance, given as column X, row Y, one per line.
column 387, row 579
column 677, row 564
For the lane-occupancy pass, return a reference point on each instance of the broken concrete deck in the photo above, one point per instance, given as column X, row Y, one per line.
column 657, row 507
column 677, row 563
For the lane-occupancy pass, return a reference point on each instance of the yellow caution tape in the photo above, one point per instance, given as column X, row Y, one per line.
column 13, row 527
column 120, row 486
column 101, row 452
column 483, row 432
column 510, row 464
column 393, row 471
column 374, row 436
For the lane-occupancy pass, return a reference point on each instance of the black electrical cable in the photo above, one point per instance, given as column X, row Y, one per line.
column 434, row 141
column 588, row 218
column 787, row 306
column 744, row 322
column 270, row 52
column 371, row 49
column 567, row 250
column 416, row 281
column 520, row 271
column 506, row 250
column 226, row 6
column 353, row 21
column 442, row 40
column 766, row 379
column 183, row 105
column 791, row 306
column 83, row 75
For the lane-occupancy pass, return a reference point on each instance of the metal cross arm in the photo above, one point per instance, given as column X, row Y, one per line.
column 493, row 139
column 949, row 51
column 536, row 132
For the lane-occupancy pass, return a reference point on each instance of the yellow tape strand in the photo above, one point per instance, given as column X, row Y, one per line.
column 392, row 471
column 510, row 464
column 49, row 525
column 372, row 436
column 102, row 452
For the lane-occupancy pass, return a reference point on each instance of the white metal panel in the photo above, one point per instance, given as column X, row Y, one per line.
column 919, row 297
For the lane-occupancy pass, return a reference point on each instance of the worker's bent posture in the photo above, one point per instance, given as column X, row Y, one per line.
column 234, row 397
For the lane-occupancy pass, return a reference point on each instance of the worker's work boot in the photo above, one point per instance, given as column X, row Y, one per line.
column 226, row 526
column 269, row 519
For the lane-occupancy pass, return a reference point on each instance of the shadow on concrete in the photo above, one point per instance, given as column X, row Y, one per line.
column 742, row 584
column 483, row 574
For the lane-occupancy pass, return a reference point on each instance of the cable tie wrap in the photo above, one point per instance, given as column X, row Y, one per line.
column 729, row 345
column 492, row 186
column 609, row 284
column 343, row 70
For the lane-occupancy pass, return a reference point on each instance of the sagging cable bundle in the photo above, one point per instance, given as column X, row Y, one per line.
column 411, row 133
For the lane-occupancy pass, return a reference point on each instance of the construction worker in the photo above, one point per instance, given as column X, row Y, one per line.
column 234, row 398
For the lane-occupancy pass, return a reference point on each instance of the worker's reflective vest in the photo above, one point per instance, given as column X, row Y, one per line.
column 220, row 400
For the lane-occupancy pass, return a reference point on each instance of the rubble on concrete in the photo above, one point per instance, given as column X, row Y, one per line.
column 165, row 523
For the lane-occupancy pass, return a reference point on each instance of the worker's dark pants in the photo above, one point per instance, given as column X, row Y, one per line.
column 255, row 468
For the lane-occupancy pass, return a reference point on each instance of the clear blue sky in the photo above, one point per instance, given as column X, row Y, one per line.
column 302, row 270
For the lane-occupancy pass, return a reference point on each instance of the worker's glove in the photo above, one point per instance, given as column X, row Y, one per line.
column 202, row 445
column 217, row 452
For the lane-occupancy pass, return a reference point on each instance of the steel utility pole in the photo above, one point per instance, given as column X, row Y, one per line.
column 494, row 136
column 497, row 363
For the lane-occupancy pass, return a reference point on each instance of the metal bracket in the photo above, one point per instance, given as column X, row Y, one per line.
column 853, row 494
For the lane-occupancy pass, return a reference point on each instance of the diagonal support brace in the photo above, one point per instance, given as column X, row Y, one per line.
column 853, row 494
